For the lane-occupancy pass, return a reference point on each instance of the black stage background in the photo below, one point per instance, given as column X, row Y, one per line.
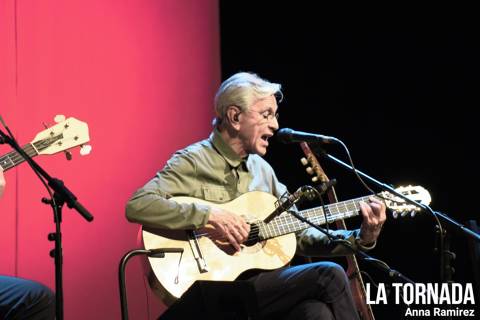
column 403, row 101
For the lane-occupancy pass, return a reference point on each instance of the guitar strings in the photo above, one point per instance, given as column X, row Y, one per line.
column 262, row 231
column 16, row 158
column 253, row 234
column 284, row 224
column 29, row 149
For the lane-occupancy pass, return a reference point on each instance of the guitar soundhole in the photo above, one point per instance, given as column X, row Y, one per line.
column 253, row 236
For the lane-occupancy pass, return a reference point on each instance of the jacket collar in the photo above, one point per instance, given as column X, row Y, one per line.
column 233, row 159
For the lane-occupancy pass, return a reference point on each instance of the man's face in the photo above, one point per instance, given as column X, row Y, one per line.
column 257, row 125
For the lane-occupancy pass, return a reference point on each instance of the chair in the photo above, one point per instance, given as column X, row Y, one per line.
column 156, row 253
column 222, row 300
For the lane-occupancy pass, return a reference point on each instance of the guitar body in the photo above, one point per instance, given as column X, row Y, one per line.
column 170, row 279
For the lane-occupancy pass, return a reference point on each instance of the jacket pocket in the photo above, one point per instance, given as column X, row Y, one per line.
column 215, row 194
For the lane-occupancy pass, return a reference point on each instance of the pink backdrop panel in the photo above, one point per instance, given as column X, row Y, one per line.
column 7, row 99
column 142, row 74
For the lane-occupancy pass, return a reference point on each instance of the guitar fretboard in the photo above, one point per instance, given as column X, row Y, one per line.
column 13, row 158
column 287, row 223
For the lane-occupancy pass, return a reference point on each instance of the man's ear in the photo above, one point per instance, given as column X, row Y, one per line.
column 233, row 114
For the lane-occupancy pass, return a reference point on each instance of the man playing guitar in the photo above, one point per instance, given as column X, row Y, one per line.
column 228, row 164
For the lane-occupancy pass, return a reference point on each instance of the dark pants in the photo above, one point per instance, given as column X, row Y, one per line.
column 25, row 299
column 311, row 291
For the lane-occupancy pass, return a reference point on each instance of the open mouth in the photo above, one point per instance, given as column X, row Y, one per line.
column 265, row 137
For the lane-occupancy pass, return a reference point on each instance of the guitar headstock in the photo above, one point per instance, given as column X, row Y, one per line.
column 400, row 206
column 64, row 135
column 311, row 164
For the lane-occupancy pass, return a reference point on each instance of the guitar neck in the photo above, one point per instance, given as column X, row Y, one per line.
column 287, row 223
column 13, row 158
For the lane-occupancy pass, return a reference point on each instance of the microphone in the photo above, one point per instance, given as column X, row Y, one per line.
column 288, row 203
column 287, row 135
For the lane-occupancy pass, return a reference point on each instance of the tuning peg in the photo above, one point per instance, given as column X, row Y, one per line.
column 68, row 155
column 395, row 214
column 309, row 170
column 315, row 179
column 304, row 161
column 59, row 118
column 413, row 213
column 85, row 149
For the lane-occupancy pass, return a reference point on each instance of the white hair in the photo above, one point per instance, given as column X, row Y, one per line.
column 242, row 90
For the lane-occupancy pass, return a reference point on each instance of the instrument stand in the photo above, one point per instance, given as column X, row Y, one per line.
column 446, row 256
column 60, row 196
column 57, row 253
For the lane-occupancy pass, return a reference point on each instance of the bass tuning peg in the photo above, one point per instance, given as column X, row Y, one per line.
column 59, row 118
column 85, row 149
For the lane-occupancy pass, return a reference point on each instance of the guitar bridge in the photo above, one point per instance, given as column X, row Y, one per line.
column 197, row 252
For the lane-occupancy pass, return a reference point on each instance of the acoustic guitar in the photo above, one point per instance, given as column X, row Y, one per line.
column 269, row 245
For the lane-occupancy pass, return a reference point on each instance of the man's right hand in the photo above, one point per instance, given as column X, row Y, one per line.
column 228, row 226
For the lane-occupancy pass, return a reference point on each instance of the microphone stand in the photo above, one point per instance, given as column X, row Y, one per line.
column 445, row 256
column 61, row 195
column 386, row 187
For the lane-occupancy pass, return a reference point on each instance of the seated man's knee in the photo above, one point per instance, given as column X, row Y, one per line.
column 42, row 297
column 332, row 281
column 28, row 300
column 337, row 272
column 41, row 292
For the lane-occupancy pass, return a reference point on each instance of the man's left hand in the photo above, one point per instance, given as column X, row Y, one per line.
column 374, row 217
